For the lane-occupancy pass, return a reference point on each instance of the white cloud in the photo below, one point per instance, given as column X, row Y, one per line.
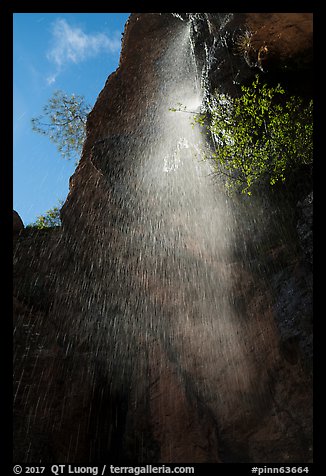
column 73, row 45
column 51, row 79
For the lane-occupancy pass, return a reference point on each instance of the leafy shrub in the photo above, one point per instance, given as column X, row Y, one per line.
column 259, row 135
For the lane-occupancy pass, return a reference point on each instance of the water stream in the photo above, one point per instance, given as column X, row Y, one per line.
column 173, row 280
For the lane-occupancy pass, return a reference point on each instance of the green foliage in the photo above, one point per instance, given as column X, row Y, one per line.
column 50, row 219
column 180, row 108
column 64, row 122
column 259, row 135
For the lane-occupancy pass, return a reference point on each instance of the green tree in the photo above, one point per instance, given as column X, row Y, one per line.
column 64, row 122
column 50, row 219
column 259, row 135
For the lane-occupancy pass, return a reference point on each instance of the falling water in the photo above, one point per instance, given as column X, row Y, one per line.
column 172, row 279
column 187, row 238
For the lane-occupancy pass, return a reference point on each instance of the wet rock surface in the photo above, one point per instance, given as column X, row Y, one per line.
column 117, row 356
column 304, row 226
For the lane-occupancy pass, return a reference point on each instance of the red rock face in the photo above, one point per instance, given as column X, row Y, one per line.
column 287, row 38
column 18, row 224
column 147, row 376
column 184, row 432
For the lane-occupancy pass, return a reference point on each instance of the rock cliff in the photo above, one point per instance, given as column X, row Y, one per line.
column 114, row 361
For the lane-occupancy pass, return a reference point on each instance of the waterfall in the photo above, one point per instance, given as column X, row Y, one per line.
column 173, row 276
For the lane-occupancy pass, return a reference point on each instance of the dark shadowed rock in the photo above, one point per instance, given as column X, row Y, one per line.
column 304, row 226
column 18, row 224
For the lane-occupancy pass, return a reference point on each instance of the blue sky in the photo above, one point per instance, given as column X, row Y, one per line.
column 72, row 52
